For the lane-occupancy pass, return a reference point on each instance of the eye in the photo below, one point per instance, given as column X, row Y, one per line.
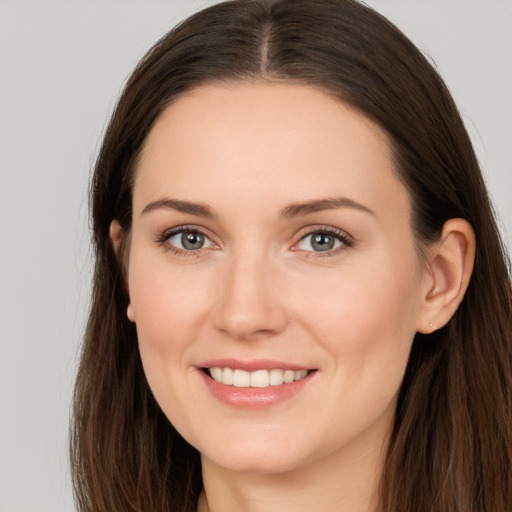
column 323, row 241
column 188, row 240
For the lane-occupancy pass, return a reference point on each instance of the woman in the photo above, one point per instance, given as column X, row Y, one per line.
column 301, row 299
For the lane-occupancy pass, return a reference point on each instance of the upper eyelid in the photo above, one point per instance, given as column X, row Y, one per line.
column 302, row 233
column 310, row 230
column 167, row 233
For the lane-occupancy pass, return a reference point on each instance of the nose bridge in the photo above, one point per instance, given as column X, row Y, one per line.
column 249, row 304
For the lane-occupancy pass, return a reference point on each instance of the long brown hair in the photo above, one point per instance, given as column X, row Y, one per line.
column 451, row 447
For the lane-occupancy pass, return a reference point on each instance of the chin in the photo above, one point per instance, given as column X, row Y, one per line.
column 257, row 463
column 257, row 455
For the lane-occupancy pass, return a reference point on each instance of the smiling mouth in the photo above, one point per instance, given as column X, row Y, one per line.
column 256, row 379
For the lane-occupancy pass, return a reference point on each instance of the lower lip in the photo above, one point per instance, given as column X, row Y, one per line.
column 254, row 398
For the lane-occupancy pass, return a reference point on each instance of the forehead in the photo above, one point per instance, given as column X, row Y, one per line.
column 245, row 142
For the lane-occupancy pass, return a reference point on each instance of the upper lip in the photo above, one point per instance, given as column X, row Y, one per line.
column 253, row 365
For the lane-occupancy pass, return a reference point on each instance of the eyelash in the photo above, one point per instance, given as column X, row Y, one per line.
column 163, row 240
column 345, row 240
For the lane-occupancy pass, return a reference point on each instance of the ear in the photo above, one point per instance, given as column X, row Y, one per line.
column 449, row 267
column 116, row 235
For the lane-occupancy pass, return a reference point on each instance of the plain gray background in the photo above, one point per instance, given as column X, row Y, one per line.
column 62, row 64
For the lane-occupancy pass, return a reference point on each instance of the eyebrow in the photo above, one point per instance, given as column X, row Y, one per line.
column 290, row 211
column 308, row 207
column 201, row 210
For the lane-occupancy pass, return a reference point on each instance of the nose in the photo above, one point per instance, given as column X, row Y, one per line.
column 250, row 302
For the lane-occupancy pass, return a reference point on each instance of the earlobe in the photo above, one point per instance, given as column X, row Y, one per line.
column 130, row 314
column 450, row 265
column 116, row 235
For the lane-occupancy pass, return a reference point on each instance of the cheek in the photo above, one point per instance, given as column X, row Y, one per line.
column 166, row 301
column 168, row 315
column 358, row 291
column 366, row 323
column 164, row 319
column 366, row 317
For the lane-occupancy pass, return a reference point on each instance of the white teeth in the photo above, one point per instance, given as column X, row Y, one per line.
column 217, row 373
column 276, row 377
column 226, row 376
column 289, row 376
column 241, row 379
column 301, row 374
column 260, row 379
column 256, row 379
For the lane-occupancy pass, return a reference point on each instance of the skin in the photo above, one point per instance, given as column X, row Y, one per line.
column 258, row 289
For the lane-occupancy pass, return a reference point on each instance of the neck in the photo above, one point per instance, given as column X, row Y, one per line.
column 346, row 481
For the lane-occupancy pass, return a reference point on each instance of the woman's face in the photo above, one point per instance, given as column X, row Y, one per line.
column 272, row 243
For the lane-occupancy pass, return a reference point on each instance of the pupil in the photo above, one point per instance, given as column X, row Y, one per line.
column 191, row 240
column 322, row 242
